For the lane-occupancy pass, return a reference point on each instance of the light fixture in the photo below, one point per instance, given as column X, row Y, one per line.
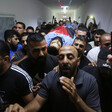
column 64, row 9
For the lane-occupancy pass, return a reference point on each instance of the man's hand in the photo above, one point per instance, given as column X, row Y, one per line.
column 36, row 88
column 93, row 63
column 15, row 108
column 109, row 59
column 69, row 86
column 56, row 68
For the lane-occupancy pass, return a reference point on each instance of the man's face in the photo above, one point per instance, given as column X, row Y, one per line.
column 14, row 42
column 30, row 31
column 106, row 41
column 68, row 61
column 37, row 51
column 97, row 39
column 56, row 43
column 24, row 42
column 19, row 28
column 80, row 46
column 82, row 33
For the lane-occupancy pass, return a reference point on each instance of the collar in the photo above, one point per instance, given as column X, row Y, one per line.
column 79, row 78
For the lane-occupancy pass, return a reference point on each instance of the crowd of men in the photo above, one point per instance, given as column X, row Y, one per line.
column 35, row 76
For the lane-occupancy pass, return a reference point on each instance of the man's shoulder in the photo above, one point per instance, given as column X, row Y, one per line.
column 51, row 62
column 85, row 75
column 25, row 62
column 18, row 71
column 52, row 73
column 51, row 57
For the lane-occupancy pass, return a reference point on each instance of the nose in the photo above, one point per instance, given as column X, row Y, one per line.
column 18, row 40
column 25, row 43
column 65, row 60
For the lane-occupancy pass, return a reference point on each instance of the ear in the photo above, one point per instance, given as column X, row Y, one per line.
column 9, row 40
column 78, row 61
column 24, row 30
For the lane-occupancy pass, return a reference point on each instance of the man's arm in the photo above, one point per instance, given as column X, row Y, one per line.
column 17, row 62
column 33, row 106
column 28, row 98
column 69, row 86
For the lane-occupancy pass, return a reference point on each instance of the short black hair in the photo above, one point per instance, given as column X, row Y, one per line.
column 4, row 49
column 82, row 38
column 57, row 38
column 10, row 34
column 36, row 37
column 83, row 28
column 24, row 26
column 30, row 27
column 24, row 34
column 99, row 32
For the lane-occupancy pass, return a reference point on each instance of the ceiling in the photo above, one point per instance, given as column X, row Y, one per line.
column 54, row 4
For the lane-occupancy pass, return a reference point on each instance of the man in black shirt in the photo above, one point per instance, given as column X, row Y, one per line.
column 80, row 44
column 15, row 84
column 38, row 62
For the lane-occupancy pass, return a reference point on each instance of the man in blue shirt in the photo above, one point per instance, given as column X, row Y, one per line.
column 70, row 90
column 12, row 39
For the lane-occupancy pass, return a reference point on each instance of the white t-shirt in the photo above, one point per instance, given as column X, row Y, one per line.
column 93, row 54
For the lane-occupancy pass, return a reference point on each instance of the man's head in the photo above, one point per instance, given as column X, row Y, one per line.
column 60, row 23
column 68, row 61
column 24, row 37
column 80, row 44
column 4, row 55
column 36, row 47
column 12, row 39
column 82, row 31
column 20, row 27
column 55, row 45
column 105, row 40
column 97, row 36
column 30, row 29
column 56, row 42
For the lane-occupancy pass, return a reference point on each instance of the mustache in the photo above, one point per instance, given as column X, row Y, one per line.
column 65, row 66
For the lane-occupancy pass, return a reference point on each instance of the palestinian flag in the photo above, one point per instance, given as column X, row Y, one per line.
column 67, row 35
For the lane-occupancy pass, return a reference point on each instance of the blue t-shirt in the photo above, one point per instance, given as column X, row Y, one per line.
column 13, row 52
column 57, row 98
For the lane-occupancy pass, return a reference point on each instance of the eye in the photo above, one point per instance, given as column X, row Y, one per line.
column 81, row 46
column 60, row 57
column 75, row 44
column 70, row 56
column 16, row 39
column 35, row 50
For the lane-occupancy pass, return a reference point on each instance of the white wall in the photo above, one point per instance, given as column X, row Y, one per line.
column 59, row 14
column 102, row 11
column 27, row 11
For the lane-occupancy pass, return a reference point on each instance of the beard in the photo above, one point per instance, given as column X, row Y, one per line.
column 38, row 61
column 67, row 71
column 13, row 46
column 97, row 43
